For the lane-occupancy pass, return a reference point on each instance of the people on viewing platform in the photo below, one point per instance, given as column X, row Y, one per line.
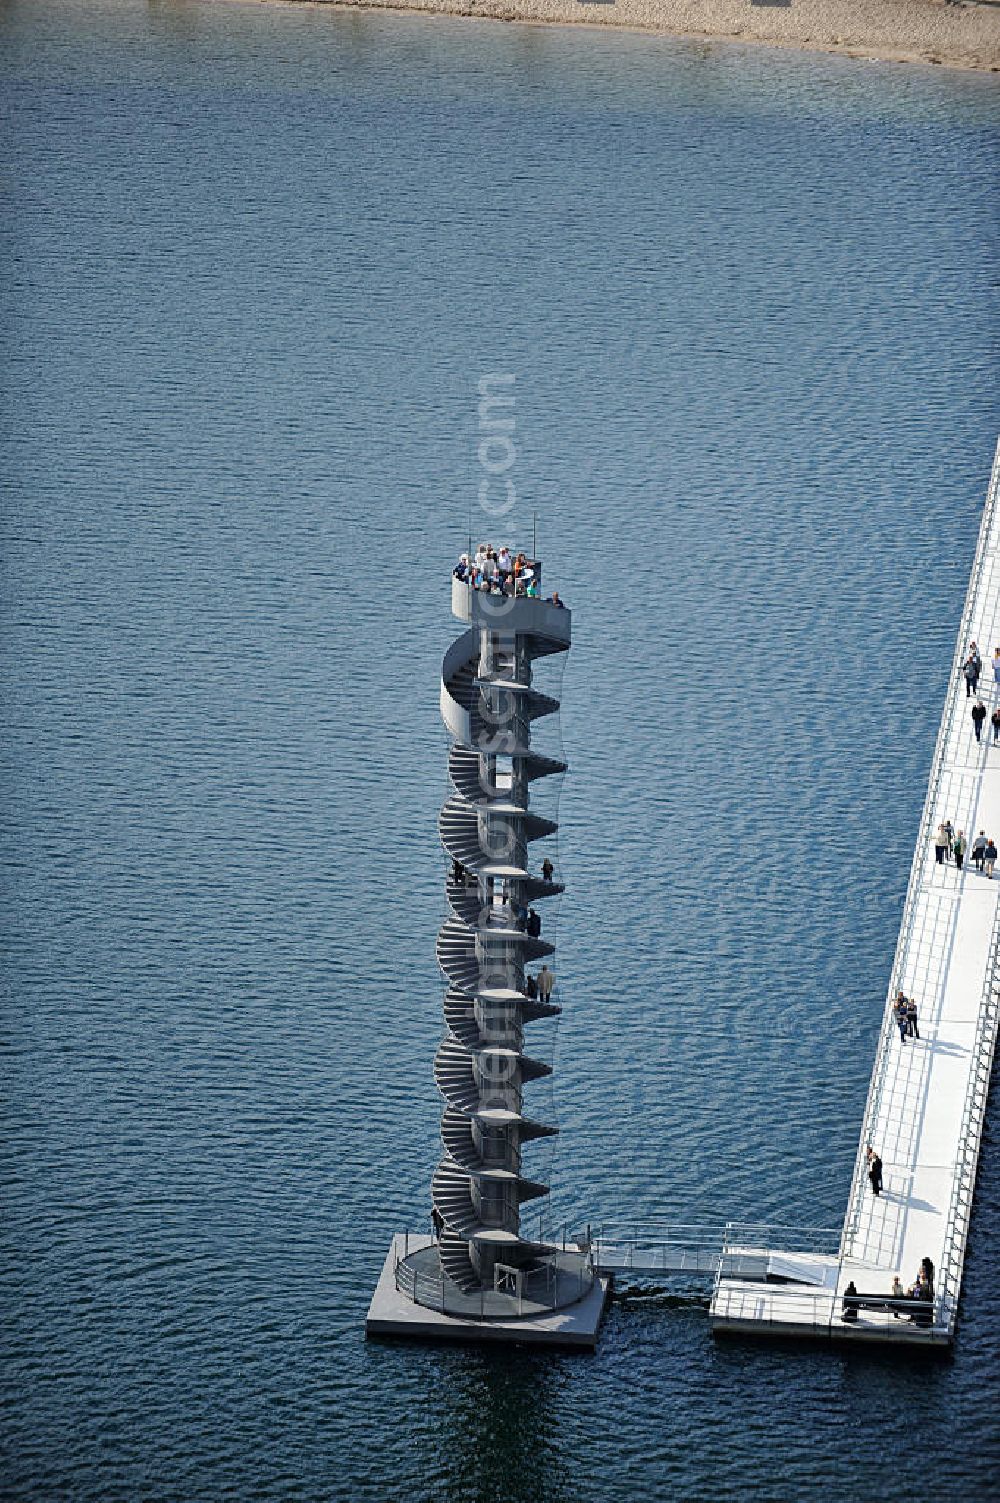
column 996, row 665
column 530, row 987
column 958, row 849
column 911, row 1018
column 989, row 857
column 546, row 981
column 499, row 571
column 978, row 716
column 995, row 723
column 547, row 870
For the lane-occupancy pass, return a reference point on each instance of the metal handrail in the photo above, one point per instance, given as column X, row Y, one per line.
column 822, row 1311
column 949, row 1278
column 681, row 1247
column 765, row 1235
column 874, row 1099
column 436, row 1292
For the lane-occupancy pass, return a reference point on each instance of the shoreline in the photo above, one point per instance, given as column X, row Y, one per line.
column 962, row 35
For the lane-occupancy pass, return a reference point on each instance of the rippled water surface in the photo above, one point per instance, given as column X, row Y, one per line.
column 255, row 263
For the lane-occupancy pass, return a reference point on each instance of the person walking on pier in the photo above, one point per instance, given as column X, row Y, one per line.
column 546, row 981
column 978, row 716
column 900, row 1013
column 995, row 723
column 970, row 672
column 941, row 842
column 850, row 1310
column 875, row 1174
column 979, row 851
column 972, row 668
column 958, row 849
column 911, row 1018
column 989, row 857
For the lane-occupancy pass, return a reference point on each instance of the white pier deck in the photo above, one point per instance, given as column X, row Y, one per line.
column 927, row 1098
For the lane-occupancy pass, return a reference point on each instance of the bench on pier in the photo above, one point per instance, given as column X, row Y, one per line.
column 916, row 1308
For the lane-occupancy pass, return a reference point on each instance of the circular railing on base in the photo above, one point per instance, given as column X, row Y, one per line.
column 557, row 1280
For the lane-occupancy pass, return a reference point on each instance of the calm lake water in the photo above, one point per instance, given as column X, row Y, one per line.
column 256, row 261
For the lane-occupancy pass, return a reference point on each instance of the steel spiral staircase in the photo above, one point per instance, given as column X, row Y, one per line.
column 482, row 1068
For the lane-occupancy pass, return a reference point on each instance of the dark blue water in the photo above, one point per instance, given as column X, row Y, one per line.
column 255, row 262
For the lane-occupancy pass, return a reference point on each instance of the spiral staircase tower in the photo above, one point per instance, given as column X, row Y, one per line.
column 482, row 1066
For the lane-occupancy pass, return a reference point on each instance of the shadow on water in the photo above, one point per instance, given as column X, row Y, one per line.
column 902, row 1367
column 500, row 1413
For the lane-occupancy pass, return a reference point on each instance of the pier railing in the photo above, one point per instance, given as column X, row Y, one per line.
column 826, row 1313
column 873, row 1105
column 949, row 1275
column 818, row 1241
column 719, row 1251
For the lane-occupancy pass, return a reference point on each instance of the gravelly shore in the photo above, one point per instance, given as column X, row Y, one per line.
column 964, row 34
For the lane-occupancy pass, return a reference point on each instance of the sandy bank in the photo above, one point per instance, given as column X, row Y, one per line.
column 964, row 34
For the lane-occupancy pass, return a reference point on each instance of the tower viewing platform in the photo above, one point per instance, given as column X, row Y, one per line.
column 479, row 1275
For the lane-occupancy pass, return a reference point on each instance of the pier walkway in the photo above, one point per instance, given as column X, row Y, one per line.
column 927, row 1097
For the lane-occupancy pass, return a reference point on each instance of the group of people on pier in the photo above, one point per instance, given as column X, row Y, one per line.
column 922, row 1286
column 501, row 571
column 904, row 1010
column 900, row 1302
column 972, row 669
column 951, row 845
